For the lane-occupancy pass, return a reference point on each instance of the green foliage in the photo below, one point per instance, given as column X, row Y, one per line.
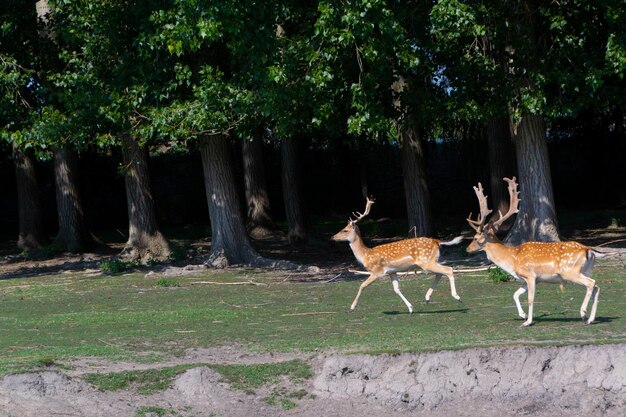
column 167, row 282
column 366, row 47
column 116, row 265
column 497, row 275
column 556, row 61
column 171, row 71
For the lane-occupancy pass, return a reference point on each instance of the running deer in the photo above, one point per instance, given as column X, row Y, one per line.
column 533, row 262
column 394, row 257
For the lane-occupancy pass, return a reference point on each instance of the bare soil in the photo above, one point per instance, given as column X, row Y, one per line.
column 548, row 381
column 532, row 381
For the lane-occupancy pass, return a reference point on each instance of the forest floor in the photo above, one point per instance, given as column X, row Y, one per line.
column 516, row 378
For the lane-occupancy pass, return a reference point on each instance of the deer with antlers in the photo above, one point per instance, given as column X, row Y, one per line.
column 394, row 257
column 534, row 262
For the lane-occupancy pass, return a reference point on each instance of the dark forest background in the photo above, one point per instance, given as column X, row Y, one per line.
column 589, row 174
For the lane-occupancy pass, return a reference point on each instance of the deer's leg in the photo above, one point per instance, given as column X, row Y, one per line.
column 396, row 289
column 530, row 285
column 592, row 290
column 433, row 287
column 594, row 295
column 445, row 270
column 373, row 277
column 520, row 310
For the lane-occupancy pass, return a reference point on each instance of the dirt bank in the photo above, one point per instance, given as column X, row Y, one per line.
column 576, row 380
column 550, row 381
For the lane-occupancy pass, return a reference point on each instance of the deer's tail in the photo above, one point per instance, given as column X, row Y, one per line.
column 454, row 241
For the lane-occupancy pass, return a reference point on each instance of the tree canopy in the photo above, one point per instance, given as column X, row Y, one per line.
column 170, row 72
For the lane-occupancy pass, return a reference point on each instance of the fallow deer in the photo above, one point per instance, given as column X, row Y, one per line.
column 533, row 262
column 394, row 257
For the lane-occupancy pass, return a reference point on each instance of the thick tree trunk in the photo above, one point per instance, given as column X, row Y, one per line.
column 73, row 235
column 145, row 241
column 259, row 220
column 291, row 190
column 31, row 231
column 501, row 161
column 229, row 241
column 416, row 190
column 536, row 220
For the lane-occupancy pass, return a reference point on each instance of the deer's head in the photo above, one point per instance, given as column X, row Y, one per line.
column 351, row 231
column 486, row 231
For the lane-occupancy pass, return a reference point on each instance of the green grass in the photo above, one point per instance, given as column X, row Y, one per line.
column 242, row 377
column 158, row 411
column 248, row 377
column 53, row 319
column 145, row 382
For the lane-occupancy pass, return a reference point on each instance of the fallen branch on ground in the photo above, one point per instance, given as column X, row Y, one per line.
column 309, row 314
column 482, row 268
column 226, row 283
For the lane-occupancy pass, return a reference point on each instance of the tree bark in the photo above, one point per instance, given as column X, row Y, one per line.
column 501, row 161
column 73, row 235
column 229, row 241
column 536, row 220
column 145, row 241
column 292, row 191
column 31, row 230
column 259, row 220
column 413, row 162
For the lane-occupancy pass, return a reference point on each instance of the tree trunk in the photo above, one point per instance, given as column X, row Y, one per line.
column 259, row 220
column 291, row 191
column 416, row 191
column 229, row 241
column 145, row 241
column 363, row 169
column 31, row 231
column 73, row 235
column 536, row 220
column 501, row 161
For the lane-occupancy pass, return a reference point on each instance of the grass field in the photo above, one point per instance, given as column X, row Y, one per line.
column 52, row 319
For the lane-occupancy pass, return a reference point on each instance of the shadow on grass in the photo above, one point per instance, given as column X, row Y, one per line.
column 457, row 310
column 546, row 318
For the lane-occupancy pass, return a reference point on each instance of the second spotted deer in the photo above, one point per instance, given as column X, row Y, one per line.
column 534, row 262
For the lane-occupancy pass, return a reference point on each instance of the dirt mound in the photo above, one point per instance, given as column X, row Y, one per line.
column 203, row 388
column 551, row 381
column 53, row 393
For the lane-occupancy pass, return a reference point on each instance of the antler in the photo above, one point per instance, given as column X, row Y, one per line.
column 479, row 223
column 513, row 203
column 484, row 210
column 368, row 206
